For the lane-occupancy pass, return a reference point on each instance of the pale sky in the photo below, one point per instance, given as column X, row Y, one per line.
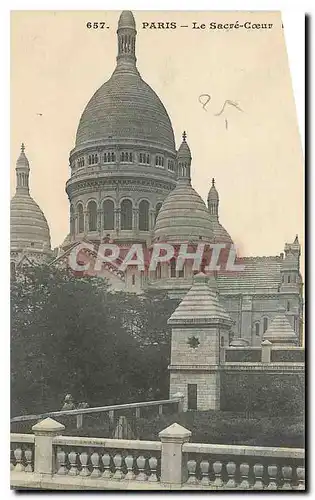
column 57, row 63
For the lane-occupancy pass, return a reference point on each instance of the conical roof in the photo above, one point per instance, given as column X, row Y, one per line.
column 201, row 304
column 280, row 331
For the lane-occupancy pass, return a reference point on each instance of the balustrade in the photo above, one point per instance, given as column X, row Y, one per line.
column 171, row 462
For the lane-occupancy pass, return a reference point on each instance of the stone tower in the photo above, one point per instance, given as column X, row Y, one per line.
column 200, row 326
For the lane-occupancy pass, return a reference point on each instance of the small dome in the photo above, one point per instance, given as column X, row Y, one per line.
column 183, row 217
column 220, row 233
column 28, row 225
column 126, row 20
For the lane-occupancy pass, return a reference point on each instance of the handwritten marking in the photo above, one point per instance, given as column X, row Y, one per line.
column 204, row 103
column 232, row 103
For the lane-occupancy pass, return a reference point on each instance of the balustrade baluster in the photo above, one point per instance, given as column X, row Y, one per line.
column 287, row 476
column 61, row 460
column 11, row 459
column 129, row 464
column 19, row 467
column 153, row 466
column 106, row 462
column 118, row 465
column 217, row 469
column 231, row 469
column 73, row 464
column 28, row 456
column 258, row 472
column 191, row 467
column 95, row 459
column 204, row 467
column 300, row 472
column 141, row 466
column 84, row 466
column 244, row 470
column 272, row 473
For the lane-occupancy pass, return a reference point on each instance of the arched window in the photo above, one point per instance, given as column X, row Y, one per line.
column 289, row 279
column 109, row 157
column 294, row 278
column 222, row 341
column 72, row 221
column 257, row 329
column 126, row 215
column 173, row 268
column 92, row 214
column 133, row 277
column 93, row 159
column 283, row 278
column 108, row 214
column 265, row 324
column 80, row 218
column 288, row 306
column 157, row 209
column 126, row 157
column 144, row 215
column 170, row 165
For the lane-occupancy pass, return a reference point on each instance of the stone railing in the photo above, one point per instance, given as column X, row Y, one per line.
column 48, row 460
column 175, row 404
column 265, row 353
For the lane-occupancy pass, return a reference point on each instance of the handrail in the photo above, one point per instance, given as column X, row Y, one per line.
column 243, row 450
column 97, row 409
column 132, row 444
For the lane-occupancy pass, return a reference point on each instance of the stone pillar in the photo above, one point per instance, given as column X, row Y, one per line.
column 173, row 461
column 266, row 351
column 44, row 433
column 86, row 221
column 246, row 318
column 181, row 397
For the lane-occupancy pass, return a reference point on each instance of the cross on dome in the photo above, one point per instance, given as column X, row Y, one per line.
column 184, row 136
column 22, row 147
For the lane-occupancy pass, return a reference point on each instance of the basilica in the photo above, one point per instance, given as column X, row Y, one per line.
column 130, row 184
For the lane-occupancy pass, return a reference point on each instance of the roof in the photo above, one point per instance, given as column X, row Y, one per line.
column 28, row 225
column 259, row 272
column 280, row 330
column 201, row 304
column 183, row 217
column 126, row 108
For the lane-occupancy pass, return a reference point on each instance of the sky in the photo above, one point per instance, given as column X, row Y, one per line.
column 57, row 63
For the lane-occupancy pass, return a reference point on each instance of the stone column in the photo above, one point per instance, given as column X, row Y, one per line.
column 173, row 461
column 86, row 221
column 246, row 318
column 44, row 433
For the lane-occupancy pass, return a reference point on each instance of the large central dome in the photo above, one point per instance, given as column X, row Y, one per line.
column 125, row 108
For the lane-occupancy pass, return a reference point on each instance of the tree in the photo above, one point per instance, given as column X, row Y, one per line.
column 73, row 335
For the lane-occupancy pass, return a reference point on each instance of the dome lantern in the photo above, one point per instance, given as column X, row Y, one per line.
column 126, row 34
column 220, row 233
column 22, row 172
column 184, row 160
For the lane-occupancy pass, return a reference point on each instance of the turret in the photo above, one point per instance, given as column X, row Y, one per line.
column 22, row 173
column 184, row 161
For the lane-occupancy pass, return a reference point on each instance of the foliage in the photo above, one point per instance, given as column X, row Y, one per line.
column 73, row 335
